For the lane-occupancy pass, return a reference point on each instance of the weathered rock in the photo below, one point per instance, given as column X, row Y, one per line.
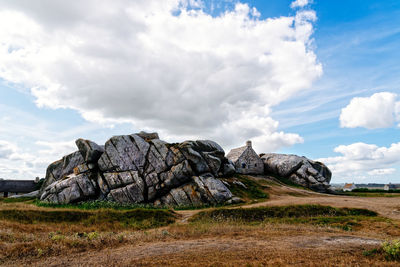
column 300, row 170
column 148, row 136
column 90, row 151
column 228, row 168
column 141, row 168
column 124, row 153
column 73, row 188
column 61, row 168
column 211, row 189
column 31, row 194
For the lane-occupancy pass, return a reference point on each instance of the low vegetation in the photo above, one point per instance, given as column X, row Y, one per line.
column 296, row 211
column 247, row 189
column 95, row 205
column 136, row 218
column 370, row 194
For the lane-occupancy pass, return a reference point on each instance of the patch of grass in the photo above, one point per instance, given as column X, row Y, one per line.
column 391, row 249
column 198, row 207
column 371, row 252
column 253, row 190
column 97, row 204
column 136, row 218
column 16, row 200
column 366, row 190
column 260, row 214
column 347, row 223
column 368, row 194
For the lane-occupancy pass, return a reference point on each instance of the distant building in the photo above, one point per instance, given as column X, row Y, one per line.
column 14, row 187
column 391, row 186
column 371, row 186
column 246, row 160
column 349, row 187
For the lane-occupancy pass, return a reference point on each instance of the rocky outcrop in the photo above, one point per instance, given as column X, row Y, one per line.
column 140, row 168
column 299, row 170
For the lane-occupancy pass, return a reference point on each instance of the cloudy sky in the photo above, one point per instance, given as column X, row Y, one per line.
column 314, row 78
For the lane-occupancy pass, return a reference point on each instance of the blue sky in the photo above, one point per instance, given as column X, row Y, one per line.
column 332, row 94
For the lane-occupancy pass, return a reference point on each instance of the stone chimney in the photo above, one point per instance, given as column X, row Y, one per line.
column 248, row 143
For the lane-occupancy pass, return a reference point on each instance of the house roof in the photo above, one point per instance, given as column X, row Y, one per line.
column 235, row 153
column 17, row 186
column 348, row 185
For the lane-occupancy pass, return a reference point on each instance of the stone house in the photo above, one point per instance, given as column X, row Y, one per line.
column 246, row 160
column 15, row 187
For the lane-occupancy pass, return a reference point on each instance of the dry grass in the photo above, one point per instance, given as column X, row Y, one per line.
column 272, row 241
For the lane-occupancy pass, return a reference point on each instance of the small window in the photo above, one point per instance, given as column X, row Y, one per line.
column 255, row 164
column 243, row 165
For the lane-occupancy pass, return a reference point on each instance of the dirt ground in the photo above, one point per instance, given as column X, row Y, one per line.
column 185, row 244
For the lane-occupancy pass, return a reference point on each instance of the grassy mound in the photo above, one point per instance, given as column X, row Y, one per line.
column 295, row 211
column 136, row 218
column 252, row 191
column 343, row 218
column 96, row 204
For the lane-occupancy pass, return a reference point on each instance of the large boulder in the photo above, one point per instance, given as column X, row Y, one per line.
column 61, row 168
column 299, row 170
column 141, row 168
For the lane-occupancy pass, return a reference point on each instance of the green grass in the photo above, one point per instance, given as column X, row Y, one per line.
column 286, row 181
column 295, row 211
column 136, row 218
column 253, row 190
column 97, row 204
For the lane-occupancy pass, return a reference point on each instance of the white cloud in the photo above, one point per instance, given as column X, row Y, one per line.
column 300, row 3
column 161, row 65
column 378, row 172
column 19, row 163
column 360, row 159
column 377, row 111
column 7, row 150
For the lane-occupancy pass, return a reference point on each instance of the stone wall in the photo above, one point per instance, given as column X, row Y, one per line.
column 249, row 163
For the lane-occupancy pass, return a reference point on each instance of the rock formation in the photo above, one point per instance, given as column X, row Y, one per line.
column 140, row 168
column 299, row 170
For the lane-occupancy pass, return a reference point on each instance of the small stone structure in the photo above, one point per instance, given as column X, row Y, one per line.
column 246, row 160
column 14, row 187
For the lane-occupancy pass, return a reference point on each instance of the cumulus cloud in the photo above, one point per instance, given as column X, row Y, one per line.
column 361, row 159
column 19, row 163
column 164, row 65
column 7, row 150
column 378, row 172
column 377, row 111
column 300, row 3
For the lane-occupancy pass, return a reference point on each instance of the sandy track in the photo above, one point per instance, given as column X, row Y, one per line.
column 212, row 249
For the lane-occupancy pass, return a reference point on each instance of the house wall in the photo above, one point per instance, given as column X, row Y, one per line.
column 249, row 163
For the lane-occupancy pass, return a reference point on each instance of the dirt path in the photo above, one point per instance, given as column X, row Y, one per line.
column 219, row 251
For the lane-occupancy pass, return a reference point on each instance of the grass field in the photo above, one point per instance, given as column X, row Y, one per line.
column 278, row 225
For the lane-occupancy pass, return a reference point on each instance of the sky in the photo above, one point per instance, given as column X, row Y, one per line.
column 313, row 78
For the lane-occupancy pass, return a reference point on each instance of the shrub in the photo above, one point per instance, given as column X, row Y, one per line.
column 392, row 249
